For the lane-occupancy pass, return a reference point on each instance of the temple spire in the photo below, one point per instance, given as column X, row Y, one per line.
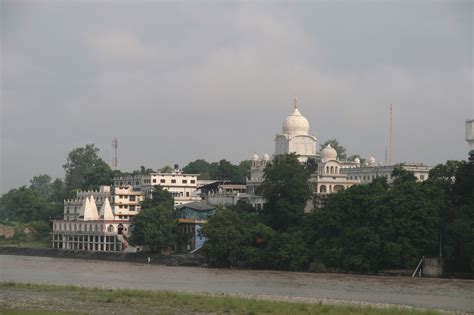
column 295, row 102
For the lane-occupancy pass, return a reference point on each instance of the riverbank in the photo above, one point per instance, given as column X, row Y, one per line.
column 50, row 299
column 141, row 257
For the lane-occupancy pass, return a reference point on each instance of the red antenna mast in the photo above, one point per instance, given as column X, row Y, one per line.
column 115, row 147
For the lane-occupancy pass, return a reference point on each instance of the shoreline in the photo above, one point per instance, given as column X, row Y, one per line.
column 141, row 257
column 183, row 260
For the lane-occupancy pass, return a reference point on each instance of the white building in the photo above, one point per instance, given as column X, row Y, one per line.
column 328, row 177
column 183, row 187
column 256, row 178
column 72, row 206
column 125, row 201
column 92, row 229
column 366, row 173
column 295, row 137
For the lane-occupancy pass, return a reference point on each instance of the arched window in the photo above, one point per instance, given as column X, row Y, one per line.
column 110, row 228
column 323, row 189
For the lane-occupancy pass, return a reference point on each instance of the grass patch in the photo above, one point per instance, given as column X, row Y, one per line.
column 75, row 299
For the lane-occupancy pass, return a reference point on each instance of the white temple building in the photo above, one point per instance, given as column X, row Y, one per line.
column 92, row 229
column 332, row 174
column 328, row 177
column 295, row 137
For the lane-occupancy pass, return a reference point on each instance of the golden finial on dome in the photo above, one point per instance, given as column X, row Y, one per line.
column 295, row 102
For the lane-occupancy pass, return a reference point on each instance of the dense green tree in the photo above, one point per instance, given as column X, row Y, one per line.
column 201, row 167
column 166, row 169
column 371, row 227
column 286, row 190
column 402, row 175
column 228, row 236
column 236, row 238
column 341, row 151
column 86, row 170
column 155, row 225
column 24, row 204
column 42, row 185
column 223, row 170
column 287, row 251
column 445, row 172
column 57, row 191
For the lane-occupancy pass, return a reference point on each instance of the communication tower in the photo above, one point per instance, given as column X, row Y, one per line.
column 115, row 158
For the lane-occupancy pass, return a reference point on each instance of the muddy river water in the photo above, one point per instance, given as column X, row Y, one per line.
column 419, row 292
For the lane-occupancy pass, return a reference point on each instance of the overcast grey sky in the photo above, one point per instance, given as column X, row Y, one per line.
column 178, row 81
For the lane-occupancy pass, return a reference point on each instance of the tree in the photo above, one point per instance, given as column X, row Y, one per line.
column 372, row 227
column 199, row 166
column 402, row 175
column 223, row 170
column 24, row 204
column 42, row 185
column 236, row 238
column 166, row 169
column 86, row 170
column 445, row 172
column 155, row 225
column 341, row 151
column 57, row 191
column 286, row 190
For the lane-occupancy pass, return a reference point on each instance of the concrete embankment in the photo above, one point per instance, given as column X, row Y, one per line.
column 169, row 260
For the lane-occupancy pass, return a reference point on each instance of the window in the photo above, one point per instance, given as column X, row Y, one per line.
column 193, row 181
column 110, row 228
column 154, row 180
column 422, row 177
column 132, row 208
column 132, row 198
column 137, row 183
column 162, row 180
column 173, row 181
column 187, row 194
column 120, row 206
column 185, row 181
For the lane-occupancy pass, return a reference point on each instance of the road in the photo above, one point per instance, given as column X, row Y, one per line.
column 444, row 294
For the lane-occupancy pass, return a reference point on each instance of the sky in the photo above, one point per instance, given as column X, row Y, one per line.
column 179, row 81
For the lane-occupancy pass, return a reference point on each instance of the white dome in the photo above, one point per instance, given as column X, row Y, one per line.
column 357, row 160
column 266, row 157
column 371, row 160
column 255, row 157
column 328, row 153
column 296, row 124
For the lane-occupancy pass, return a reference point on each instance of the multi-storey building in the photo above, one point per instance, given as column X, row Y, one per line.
column 183, row 187
column 125, row 201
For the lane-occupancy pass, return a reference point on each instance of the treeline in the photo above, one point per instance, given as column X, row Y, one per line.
column 222, row 170
column 43, row 198
column 365, row 228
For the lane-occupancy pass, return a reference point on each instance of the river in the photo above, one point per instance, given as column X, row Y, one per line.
column 444, row 294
